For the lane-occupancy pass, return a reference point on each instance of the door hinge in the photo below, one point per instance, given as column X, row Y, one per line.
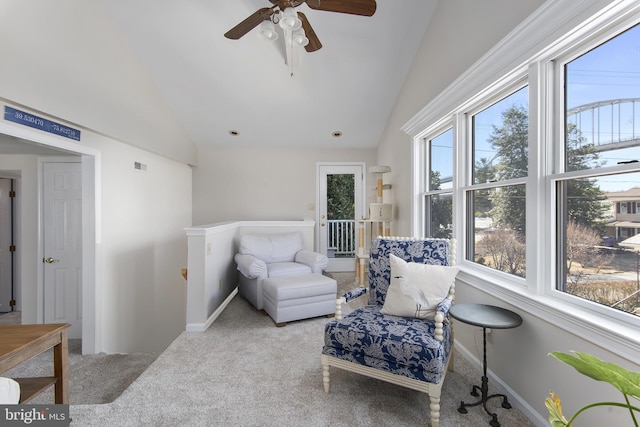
column 12, row 193
column 12, row 303
column 12, row 248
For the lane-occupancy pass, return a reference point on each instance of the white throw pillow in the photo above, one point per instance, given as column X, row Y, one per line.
column 9, row 391
column 410, row 278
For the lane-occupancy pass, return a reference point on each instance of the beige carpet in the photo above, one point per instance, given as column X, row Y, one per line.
column 244, row 371
column 96, row 378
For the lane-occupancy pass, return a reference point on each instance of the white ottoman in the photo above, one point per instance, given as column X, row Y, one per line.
column 299, row 297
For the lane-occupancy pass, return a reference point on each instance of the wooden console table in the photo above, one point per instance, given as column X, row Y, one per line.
column 19, row 343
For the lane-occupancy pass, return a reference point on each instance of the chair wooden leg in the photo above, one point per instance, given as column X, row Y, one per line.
column 435, row 410
column 325, row 377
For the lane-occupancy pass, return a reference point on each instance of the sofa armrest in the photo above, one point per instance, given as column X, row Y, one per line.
column 250, row 266
column 348, row 296
column 445, row 306
column 316, row 261
column 354, row 293
column 442, row 317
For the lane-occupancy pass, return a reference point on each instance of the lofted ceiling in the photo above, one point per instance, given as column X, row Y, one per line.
column 215, row 85
column 160, row 74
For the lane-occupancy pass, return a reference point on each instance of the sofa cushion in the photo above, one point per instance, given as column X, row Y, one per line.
column 279, row 269
column 399, row 345
column 9, row 391
column 272, row 247
column 433, row 251
column 300, row 287
column 431, row 282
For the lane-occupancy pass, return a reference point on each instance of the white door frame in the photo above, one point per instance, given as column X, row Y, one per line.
column 91, row 231
column 360, row 204
column 7, row 258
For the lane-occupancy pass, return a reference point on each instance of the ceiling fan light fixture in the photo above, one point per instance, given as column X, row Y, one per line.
column 289, row 20
column 268, row 31
column 299, row 37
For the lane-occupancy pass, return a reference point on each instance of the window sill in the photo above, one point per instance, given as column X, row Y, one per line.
column 620, row 337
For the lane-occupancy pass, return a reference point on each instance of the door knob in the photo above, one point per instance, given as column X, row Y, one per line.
column 322, row 224
column 50, row 260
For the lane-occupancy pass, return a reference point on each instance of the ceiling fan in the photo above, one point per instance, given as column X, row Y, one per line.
column 277, row 12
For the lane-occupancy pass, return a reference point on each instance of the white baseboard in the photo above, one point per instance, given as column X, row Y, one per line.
column 514, row 398
column 201, row 327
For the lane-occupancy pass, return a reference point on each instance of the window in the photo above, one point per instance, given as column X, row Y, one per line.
column 496, row 200
column 599, row 244
column 438, row 200
column 546, row 175
column 602, row 99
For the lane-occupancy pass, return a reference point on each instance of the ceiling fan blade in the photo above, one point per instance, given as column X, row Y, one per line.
column 314, row 42
column 249, row 24
column 354, row 7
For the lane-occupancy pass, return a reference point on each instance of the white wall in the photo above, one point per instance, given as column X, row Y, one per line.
column 263, row 184
column 459, row 33
column 84, row 62
column 140, row 242
column 143, row 248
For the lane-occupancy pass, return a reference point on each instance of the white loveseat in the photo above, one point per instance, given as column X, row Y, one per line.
column 262, row 256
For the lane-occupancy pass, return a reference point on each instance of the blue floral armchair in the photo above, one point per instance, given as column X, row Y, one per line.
column 410, row 352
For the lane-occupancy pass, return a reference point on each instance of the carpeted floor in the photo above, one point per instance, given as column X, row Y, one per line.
column 244, row 371
column 93, row 379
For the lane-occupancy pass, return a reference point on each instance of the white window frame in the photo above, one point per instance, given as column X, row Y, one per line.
column 567, row 27
column 423, row 187
column 516, row 82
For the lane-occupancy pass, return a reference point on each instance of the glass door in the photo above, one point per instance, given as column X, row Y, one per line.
column 340, row 205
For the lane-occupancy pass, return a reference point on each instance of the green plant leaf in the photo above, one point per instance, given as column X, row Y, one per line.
column 628, row 382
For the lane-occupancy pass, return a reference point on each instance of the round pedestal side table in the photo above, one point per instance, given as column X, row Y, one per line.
column 486, row 317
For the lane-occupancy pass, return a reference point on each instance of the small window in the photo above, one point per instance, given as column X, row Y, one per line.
column 600, row 244
column 441, row 162
column 499, row 228
column 496, row 200
column 438, row 197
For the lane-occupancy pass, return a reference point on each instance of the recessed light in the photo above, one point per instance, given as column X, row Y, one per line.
column 234, row 132
column 336, row 134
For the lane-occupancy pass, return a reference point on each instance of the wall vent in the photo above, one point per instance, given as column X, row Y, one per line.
column 140, row 166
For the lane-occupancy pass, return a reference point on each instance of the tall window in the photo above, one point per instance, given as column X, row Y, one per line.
column 599, row 244
column 438, row 197
column 546, row 177
column 496, row 209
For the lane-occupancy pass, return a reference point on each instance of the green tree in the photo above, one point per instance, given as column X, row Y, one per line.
column 484, row 172
column 583, row 197
column 511, row 142
column 441, row 210
column 340, row 193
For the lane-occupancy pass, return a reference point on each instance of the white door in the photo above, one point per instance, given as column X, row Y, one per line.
column 62, row 261
column 6, row 261
column 340, row 200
